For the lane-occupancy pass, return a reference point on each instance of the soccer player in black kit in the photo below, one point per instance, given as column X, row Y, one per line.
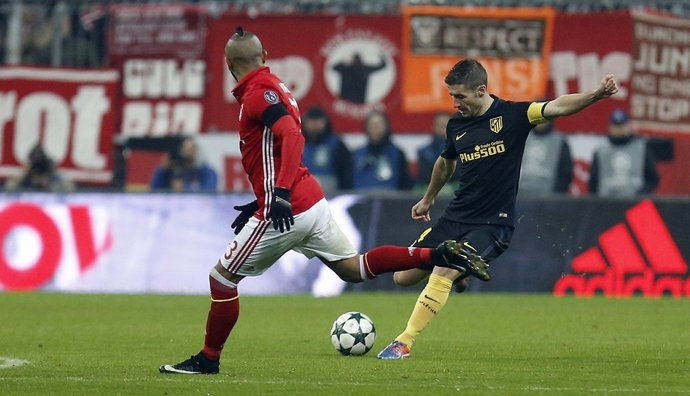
column 486, row 139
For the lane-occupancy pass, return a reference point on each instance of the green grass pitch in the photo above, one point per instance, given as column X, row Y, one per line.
column 482, row 344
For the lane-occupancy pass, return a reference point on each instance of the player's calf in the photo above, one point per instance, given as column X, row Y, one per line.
column 461, row 284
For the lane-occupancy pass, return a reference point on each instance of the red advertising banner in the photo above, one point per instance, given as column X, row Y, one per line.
column 70, row 112
column 587, row 46
column 513, row 44
column 660, row 91
column 157, row 30
column 349, row 65
column 160, row 50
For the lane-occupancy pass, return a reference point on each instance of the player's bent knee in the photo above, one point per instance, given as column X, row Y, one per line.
column 351, row 278
column 410, row 277
column 349, row 273
column 447, row 273
column 400, row 279
column 347, row 270
column 225, row 277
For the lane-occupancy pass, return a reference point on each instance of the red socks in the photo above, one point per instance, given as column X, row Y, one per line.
column 390, row 258
column 225, row 309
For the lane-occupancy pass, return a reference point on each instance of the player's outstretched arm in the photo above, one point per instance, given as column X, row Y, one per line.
column 443, row 170
column 572, row 103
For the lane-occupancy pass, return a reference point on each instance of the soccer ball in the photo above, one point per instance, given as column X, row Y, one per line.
column 353, row 333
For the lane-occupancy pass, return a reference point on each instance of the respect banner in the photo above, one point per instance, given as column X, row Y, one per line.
column 513, row 44
column 70, row 112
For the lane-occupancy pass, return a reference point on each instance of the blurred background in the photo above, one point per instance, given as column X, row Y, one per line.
column 120, row 162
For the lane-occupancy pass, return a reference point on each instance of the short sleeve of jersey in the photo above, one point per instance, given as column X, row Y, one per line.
column 449, row 151
column 535, row 113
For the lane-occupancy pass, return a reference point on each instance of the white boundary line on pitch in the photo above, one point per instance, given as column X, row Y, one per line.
column 8, row 362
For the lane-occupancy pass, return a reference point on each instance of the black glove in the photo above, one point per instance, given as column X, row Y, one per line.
column 246, row 213
column 281, row 210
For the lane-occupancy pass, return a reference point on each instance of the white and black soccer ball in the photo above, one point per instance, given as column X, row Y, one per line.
column 353, row 333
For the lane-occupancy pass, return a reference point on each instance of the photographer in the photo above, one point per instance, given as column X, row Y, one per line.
column 183, row 171
column 40, row 174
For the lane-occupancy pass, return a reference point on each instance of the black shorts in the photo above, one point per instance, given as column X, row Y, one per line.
column 489, row 240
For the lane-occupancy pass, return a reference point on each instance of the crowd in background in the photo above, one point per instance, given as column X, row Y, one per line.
column 623, row 166
column 53, row 33
column 73, row 34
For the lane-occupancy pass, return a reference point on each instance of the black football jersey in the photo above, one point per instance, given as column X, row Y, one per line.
column 488, row 150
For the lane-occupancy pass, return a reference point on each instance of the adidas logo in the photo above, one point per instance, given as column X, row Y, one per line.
column 637, row 256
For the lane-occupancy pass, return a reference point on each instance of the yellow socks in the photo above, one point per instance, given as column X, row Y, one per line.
column 429, row 304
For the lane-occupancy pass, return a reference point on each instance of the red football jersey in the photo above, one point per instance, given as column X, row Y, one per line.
column 263, row 156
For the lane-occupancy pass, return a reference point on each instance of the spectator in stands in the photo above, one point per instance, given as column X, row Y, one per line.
column 40, row 174
column 3, row 36
column 37, row 33
column 624, row 166
column 547, row 166
column 380, row 164
column 427, row 155
column 56, row 37
column 184, row 171
column 325, row 154
column 77, row 50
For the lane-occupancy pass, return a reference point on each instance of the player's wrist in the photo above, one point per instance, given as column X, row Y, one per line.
column 597, row 94
column 430, row 196
column 282, row 192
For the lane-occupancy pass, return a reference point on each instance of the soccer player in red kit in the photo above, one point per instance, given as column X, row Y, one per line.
column 290, row 211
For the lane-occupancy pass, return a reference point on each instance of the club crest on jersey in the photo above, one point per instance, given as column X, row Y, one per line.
column 496, row 124
column 271, row 97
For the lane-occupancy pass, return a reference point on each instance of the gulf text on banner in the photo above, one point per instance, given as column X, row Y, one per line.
column 160, row 50
column 513, row 44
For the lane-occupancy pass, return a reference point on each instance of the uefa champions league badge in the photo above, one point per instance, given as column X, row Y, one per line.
column 271, row 97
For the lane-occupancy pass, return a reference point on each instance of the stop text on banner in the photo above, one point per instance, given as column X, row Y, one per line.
column 513, row 44
column 660, row 98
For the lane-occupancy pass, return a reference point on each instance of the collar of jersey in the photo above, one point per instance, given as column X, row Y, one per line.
column 241, row 86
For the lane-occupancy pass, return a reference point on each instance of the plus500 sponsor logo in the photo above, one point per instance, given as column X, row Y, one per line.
column 50, row 243
column 483, row 151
